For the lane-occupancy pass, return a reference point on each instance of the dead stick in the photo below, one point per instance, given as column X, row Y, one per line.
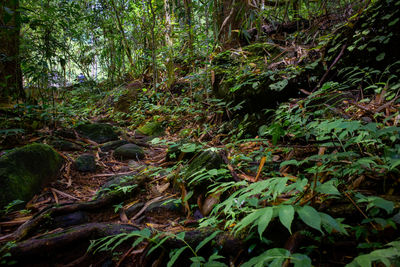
column 329, row 69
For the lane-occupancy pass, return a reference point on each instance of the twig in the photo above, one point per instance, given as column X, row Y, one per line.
column 148, row 203
column 358, row 208
column 111, row 174
column 63, row 194
column 231, row 169
column 330, row 67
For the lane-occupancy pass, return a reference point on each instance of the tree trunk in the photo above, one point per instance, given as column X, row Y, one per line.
column 10, row 68
column 230, row 15
column 169, row 42
column 153, row 45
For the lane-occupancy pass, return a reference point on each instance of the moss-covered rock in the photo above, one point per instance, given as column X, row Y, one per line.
column 124, row 101
column 24, row 171
column 98, row 132
column 64, row 145
column 85, row 163
column 151, row 129
column 207, row 160
column 113, row 145
column 129, row 151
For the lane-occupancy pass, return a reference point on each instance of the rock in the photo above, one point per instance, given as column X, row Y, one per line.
column 112, row 145
column 64, row 145
column 207, row 159
column 247, row 81
column 129, row 151
column 85, row 163
column 127, row 97
column 151, row 129
column 24, row 171
column 98, row 132
column 66, row 133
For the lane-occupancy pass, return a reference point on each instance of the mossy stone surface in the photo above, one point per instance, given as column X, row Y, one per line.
column 98, row 132
column 129, row 151
column 112, row 145
column 64, row 145
column 206, row 159
column 151, row 129
column 24, row 171
column 85, row 163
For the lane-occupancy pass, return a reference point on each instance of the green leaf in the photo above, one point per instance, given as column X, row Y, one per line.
column 379, row 202
column 289, row 162
column 300, row 260
column 328, row 188
column 264, row 220
column 310, row 217
column 251, row 218
column 206, row 240
column 188, row 148
column 380, row 57
column 174, row 256
column 279, row 86
column 286, row 215
column 326, row 219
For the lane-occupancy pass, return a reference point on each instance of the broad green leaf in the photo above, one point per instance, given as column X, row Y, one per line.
column 327, row 188
column 380, row 57
column 264, row 220
column 331, row 222
column 286, row 215
column 379, row 202
column 310, row 217
column 300, row 260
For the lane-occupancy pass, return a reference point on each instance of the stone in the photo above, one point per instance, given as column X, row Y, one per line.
column 112, row 145
column 206, row 159
column 85, row 163
column 64, row 145
column 65, row 133
column 98, row 132
column 129, row 151
column 128, row 96
column 26, row 170
column 151, row 129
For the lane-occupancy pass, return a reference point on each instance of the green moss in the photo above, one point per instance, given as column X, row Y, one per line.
column 98, row 132
column 151, row 129
column 24, row 171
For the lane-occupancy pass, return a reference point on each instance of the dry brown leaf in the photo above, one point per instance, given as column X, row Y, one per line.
column 162, row 188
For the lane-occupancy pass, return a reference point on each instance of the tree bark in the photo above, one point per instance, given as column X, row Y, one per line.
column 10, row 67
column 230, row 15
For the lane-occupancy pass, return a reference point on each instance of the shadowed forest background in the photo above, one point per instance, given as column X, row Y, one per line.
column 199, row 133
